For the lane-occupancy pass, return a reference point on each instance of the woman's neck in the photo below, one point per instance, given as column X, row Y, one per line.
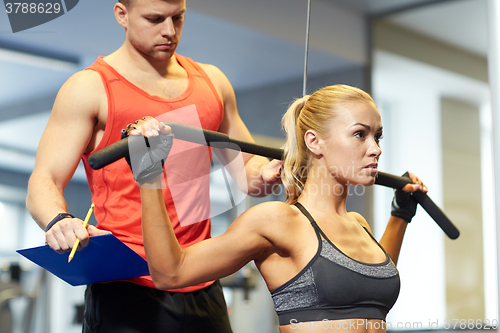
column 324, row 192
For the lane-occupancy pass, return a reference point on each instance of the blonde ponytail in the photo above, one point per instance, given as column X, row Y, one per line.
column 295, row 158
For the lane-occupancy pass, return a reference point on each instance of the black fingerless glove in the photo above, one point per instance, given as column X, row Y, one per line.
column 147, row 157
column 403, row 204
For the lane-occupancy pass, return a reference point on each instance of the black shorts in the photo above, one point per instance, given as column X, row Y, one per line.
column 124, row 307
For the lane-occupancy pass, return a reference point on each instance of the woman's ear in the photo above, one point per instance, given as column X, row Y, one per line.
column 313, row 142
column 121, row 14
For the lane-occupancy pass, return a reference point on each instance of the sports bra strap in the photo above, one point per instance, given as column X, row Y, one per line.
column 309, row 216
column 320, row 232
column 316, row 227
column 305, row 212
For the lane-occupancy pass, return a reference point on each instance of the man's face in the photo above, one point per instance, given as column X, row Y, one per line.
column 154, row 27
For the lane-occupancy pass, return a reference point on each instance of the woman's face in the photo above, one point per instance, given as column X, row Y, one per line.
column 351, row 150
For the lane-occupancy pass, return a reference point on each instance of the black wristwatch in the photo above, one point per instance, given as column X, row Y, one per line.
column 56, row 219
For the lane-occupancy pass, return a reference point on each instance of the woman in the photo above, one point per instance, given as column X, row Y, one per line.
column 321, row 264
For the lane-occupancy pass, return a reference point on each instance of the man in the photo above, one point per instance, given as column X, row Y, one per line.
column 144, row 77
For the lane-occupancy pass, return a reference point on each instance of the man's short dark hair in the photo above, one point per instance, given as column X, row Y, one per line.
column 126, row 3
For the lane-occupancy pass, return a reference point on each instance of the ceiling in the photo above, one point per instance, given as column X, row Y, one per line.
column 255, row 43
column 461, row 23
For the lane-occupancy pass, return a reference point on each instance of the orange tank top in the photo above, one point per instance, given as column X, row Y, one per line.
column 114, row 191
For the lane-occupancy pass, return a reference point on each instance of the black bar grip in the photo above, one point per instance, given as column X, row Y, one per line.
column 388, row 180
column 192, row 134
column 117, row 150
column 423, row 199
column 196, row 134
column 183, row 132
column 109, row 154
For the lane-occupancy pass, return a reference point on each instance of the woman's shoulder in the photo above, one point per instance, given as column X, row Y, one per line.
column 270, row 214
column 281, row 224
column 361, row 220
column 271, row 210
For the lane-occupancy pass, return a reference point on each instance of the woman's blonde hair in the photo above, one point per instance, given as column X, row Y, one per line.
column 311, row 112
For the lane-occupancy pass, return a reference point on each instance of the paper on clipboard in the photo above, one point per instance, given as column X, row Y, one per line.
column 105, row 259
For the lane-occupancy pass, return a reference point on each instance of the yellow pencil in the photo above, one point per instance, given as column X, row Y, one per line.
column 87, row 218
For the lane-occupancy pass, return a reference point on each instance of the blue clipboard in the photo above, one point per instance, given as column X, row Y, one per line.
column 105, row 259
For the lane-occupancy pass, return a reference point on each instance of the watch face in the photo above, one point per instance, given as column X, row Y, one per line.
column 64, row 215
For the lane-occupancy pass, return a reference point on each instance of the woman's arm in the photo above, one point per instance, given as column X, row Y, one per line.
column 172, row 267
column 392, row 239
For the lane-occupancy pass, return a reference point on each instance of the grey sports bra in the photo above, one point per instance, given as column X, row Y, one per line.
column 333, row 286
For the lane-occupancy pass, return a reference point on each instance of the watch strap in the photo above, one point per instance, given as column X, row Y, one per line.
column 56, row 219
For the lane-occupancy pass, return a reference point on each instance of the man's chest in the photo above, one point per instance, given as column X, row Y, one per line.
column 164, row 88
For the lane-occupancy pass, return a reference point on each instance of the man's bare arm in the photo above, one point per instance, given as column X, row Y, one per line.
column 66, row 137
